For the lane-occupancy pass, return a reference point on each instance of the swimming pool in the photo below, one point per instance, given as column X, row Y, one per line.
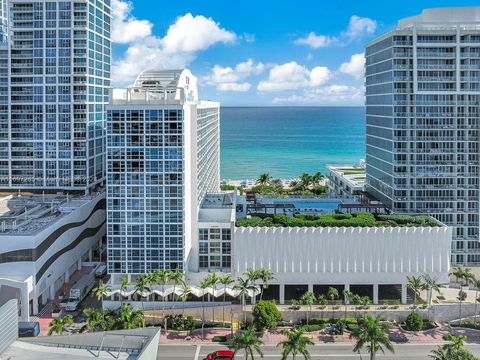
column 327, row 205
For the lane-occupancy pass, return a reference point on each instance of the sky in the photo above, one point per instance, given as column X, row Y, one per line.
column 258, row 53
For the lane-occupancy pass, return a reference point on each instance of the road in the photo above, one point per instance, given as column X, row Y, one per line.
column 323, row 351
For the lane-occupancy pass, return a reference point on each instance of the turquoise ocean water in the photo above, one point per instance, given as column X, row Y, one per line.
column 287, row 141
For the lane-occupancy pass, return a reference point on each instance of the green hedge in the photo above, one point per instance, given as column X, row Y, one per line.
column 219, row 338
column 310, row 328
column 335, row 220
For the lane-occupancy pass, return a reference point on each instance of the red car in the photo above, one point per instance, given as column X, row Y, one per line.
column 220, row 355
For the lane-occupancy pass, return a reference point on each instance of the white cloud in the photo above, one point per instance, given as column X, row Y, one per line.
column 249, row 38
column 326, row 95
column 184, row 39
column 293, row 76
column 316, row 41
column 355, row 67
column 357, row 28
column 126, row 28
column 237, row 87
column 229, row 79
column 190, row 34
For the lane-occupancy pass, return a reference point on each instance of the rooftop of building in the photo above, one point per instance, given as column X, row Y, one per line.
column 354, row 175
column 444, row 16
column 30, row 213
column 217, row 207
column 154, row 87
column 121, row 344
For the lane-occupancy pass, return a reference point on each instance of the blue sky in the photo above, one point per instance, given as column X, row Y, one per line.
column 258, row 52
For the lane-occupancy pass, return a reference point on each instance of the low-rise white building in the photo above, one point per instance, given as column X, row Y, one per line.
column 346, row 181
column 43, row 240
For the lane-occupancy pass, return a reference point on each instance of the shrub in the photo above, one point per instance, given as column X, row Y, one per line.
column 180, row 323
column 312, row 327
column 219, row 338
column 341, row 325
column 213, row 325
column 265, row 315
column 414, row 322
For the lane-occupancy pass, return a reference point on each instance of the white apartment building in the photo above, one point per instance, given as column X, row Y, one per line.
column 162, row 159
column 423, row 121
column 54, row 81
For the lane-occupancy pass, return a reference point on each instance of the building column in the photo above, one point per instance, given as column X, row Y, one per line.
column 79, row 264
column 310, row 288
column 347, row 288
column 282, row 294
column 35, row 304
column 375, row 293
column 404, row 293
column 51, row 292
column 90, row 255
column 67, row 276
column 24, row 303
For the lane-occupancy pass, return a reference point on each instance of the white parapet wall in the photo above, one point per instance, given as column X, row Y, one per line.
column 343, row 255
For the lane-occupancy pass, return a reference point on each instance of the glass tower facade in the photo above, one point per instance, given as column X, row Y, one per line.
column 423, row 121
column 52, row 126
column 162, row 158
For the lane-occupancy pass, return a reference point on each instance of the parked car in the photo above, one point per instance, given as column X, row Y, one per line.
column 220, row 355
column 100, row 270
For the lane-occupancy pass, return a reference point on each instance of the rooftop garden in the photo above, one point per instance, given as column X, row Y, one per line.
column 358, row 219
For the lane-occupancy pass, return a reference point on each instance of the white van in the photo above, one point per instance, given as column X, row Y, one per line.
column 100, row 270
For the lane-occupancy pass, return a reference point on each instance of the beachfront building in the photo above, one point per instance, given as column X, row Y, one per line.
column 371, row 255
column 423, row 120
column 54, row 80
column 346, row 182
column 45, row 239
column 162, row 159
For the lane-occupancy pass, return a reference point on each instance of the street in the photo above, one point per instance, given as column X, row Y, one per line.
column 323, row 351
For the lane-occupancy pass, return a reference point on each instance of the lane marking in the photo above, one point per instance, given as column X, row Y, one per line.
column 197, row 352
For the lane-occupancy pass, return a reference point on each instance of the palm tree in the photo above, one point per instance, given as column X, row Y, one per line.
column 213, row 281
column 347, row 297
column 476, row 285
column 462, row 295
column 142, row 285
column 317, row 177
column 177, row 278
column 454, row 350
column 263, row 179
column 205, row 284
column 98, row 319
column 372, row 333
column 243, row 287
column 185, row 290
column 101, row 290
column 162, row 277
column 332, row 294
column 457, row 272
column 58, row 325
column 305, row 181
column 308, row 299
column 431, row 285
column 130, row 319
column 225, row 280
column 252, row 275
column 123, row 288
column 416, row 285
column 296, row 343
column 266, row 276
column 247, row 341
column 322, row 301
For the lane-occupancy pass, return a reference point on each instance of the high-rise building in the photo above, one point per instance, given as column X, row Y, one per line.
column 423, row 121
column 162, row 159
column 54, row 85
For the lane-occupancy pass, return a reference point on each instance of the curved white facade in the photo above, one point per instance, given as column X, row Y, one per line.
column 327, row 255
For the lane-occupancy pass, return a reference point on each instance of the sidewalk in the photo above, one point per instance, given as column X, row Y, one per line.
column 397, row 336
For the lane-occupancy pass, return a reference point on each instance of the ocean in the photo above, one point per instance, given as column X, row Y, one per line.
column 287, row 141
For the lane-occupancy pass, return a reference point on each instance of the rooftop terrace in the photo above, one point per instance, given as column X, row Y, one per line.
column 359, row 219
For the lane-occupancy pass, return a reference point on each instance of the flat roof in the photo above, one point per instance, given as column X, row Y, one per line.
column 127, row 344
column 30, row 213
column 354, row 175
